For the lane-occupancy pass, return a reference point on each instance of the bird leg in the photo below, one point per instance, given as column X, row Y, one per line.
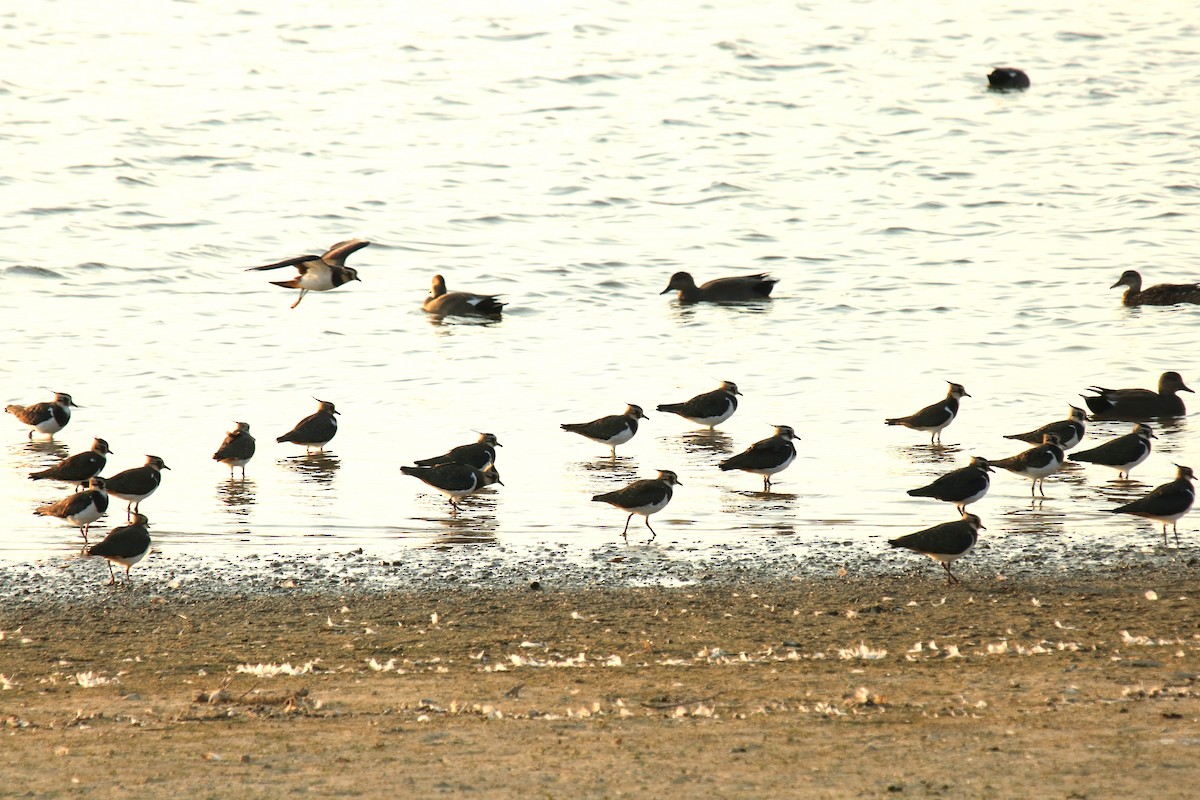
column 301, row 297
column 767, row 483
column 625, row 533
column 653, row 533
column 950, row 579
column 112, row 576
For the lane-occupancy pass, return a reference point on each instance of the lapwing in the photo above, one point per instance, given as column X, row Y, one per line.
column 1036, row 463
column 721, row 290
column 444, row 303
column 80, row 509
column 709, row 409
column 237, row 449
column 767, row 456
column 612, row 430
column 961, row 487
column 315, row 430
column 480, row 454
column 644, row 497
column 135, row 485
column 945, row 543
column 1069, row 431
column 1167, row 503
column 319, row 273
column 126, row 545
column 79, row 467
column 1134, row 405
column 933, row 418
column 456, row 481
column 1163, row 294
column 48, row 418
column 1123, row 453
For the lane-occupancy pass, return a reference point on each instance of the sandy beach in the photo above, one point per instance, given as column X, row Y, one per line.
column 899, row 686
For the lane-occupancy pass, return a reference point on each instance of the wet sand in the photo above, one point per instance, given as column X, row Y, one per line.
column 898, row 686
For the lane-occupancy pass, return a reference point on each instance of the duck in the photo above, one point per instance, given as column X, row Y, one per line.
column 1002, row 79
column 1162, row 294
column 721, row 290
column 1138, row 404
column 445, row 303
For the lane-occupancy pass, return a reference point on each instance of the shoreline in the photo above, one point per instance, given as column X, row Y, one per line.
column 823, row 687
column 568, row 567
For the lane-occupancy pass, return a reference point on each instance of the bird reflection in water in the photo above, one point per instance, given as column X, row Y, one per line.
column 621, row 469
column 237, row 495
column 757, row 502
column 32, row 454
column 929, row 454
column 318, row 468
column 708, row 441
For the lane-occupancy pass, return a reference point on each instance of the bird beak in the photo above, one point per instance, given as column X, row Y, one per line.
column 664, row 291
column 1118, row 283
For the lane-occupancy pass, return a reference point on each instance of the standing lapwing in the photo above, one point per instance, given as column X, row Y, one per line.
column 933, row 418
column 456, row 481
column 1036, row 463
column 1123, row 453
column 237, row 449
column 480, row 454
column 316, row 429
column 126, row 545
column 79, row 467
column 1139, row 404
column 611, row 430
column 48, row 418
column 1069, row 431
column 319, row 273
column 1167, row 503
column 644, row 497
column 961, row 487
column 80, row 509
column 135, row 485
column 709, row 409
column 945, row 543
column 767, row 456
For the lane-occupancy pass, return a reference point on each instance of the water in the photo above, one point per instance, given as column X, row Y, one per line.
column 572, row 158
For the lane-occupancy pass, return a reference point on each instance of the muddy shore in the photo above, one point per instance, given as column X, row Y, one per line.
column 1066, row 686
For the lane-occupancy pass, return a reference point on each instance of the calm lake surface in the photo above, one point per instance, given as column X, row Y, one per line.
column 572, row 157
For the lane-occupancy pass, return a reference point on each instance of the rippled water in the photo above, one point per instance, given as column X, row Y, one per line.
column 572, row 158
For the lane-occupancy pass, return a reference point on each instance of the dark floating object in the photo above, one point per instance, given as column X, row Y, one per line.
column 933, row 418
column 1167, row 503
column 1003, row 79
column 722, row 290
column 945, row 543
column 1138, row 404
column 1162, row 294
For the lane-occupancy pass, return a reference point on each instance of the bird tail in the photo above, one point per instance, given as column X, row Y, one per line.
column 292, row 284
column 894, row 421
column 670, row 408
column 924, row 491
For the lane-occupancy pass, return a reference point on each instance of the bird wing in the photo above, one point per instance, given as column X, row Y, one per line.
column 299, row 262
